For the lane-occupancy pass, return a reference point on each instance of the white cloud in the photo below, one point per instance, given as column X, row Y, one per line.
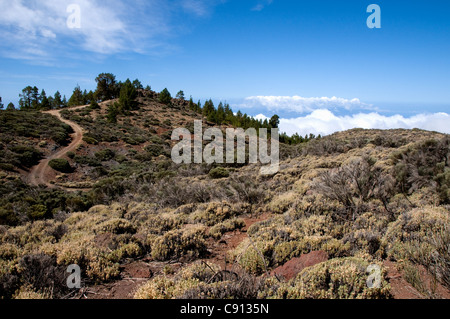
column 324, row 122
column 31, row 29
column 261, row 117
column 300, row 104
column 36, row 24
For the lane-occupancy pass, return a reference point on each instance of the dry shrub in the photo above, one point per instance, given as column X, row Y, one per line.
column 217, row 212
column 282, row 203
column 415, row 227
column 175, row 244
column 291, row 235
column 245, row 287
column 43, row 275
column 29, row 293
column 164, row 288
column 246, row 189
column 174, row 192
column 218, row 230
column 355, row 184
column 116, row 226
column 342, row 278
column 367, row 233
column 253, row 257
column 424, row 164
column 201, row 281
column 422, row 236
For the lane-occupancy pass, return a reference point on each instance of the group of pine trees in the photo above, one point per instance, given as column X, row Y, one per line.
column 297, row 139
column 31, row 99
column 10, row 106
column 223, row 114
column 127, row 94
column 108, row 88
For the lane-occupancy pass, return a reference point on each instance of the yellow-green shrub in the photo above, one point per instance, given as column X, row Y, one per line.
column 410, row 233
column 218, row 230
column 177, row 243
column 252, row 256
column 342, row 278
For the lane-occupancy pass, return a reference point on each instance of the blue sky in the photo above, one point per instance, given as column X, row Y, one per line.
column 315, row 63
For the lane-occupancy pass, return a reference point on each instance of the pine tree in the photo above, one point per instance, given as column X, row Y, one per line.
column 180, row 95
column 36, row 98
column 77, row 97
column 90, row 97
column 220, row 118
column 113, row 111
column 127, row 97
column 137, row 85
column 64, row 102
column 10, row 107
column 165, row 97
column 45, row 104
column 26, row 98
column 57, row 102
column 209, row 111
column 274, row 121
column 1, row 104
column 107, row 87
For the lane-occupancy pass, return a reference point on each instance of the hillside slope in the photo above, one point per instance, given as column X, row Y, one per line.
column 148, row 228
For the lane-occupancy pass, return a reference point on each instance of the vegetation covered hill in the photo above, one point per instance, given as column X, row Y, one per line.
column 362, row 197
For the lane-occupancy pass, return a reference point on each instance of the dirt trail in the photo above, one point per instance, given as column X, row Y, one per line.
column 39, row 174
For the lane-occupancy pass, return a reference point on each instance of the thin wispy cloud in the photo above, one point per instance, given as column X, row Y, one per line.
column 197, row 7
column 38, row 31
column 262, row 5
column 325, row 122
column 299, row 104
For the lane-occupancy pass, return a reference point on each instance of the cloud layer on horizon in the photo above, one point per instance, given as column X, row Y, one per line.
column 324, row 122
column 299, row 104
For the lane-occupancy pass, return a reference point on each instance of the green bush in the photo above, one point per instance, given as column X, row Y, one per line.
column 105, row 155
column 60, row 165
column 37, row 212
column 7, row 167
column 8, row 216
column 87, row 160
column 154, row 150
column 27, row 156
column 60, row 137
column 90, row 140
column 219, row 172
column 94, row 106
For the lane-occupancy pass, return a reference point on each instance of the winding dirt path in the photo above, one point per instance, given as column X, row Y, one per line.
column 39, row 173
